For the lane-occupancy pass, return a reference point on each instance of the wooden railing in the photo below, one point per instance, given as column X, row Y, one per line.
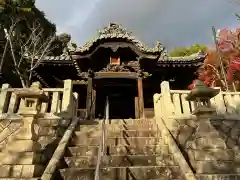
column 60, row 100
column 173, row 102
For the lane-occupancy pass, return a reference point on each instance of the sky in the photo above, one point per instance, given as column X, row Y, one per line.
column 173, row 22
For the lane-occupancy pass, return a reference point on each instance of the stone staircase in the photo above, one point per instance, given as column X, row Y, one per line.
column 134, row 149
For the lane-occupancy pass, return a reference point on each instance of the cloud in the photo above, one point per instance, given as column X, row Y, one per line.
column 173, row 22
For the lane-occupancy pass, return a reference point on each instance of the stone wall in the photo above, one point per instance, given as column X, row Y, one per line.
column 8, row 128
column 212, row 152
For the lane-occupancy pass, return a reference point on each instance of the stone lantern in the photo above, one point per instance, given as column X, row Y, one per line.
column 33, row 98
column 201, row 96
column 206, row 136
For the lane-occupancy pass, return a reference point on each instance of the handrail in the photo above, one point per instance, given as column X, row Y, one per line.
column 102, row 141
column 174, row 149
column 60, row 150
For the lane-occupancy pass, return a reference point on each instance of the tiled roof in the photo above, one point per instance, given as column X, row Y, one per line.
column 116, row 32
column 166, row 58
column 56, row 59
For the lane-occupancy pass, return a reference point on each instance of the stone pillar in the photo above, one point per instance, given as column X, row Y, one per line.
column 55, row 101
column 166, row 100
column 44, row 107
column 22, row 157
column 67, row 99
column 14, row 100
column 140, row 98
column 89, row 98
column 4, row 98
column 75, row 95
column 157, row 106
column 219, row 103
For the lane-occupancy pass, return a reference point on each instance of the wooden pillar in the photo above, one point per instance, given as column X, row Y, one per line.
column 140, row 98
column 93, row 104
column 89, row 98
column 136, row 108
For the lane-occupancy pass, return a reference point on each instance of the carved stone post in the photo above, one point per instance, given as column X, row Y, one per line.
column 22, row 156
column 67, row 99
column 166, row 100
column 4, row 97
column 206, row 135
column 140, row 98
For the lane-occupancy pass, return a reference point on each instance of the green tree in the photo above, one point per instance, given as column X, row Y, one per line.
column 186, row 51
column 17, row 19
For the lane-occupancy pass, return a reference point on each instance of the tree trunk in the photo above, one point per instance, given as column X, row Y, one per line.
column 14, row 58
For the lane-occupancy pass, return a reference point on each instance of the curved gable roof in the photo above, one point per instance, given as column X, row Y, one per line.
column 116, row 32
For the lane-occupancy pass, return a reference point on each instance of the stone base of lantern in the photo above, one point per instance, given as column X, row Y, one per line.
column 204, row 111
column 22, row 157
column 207, row 148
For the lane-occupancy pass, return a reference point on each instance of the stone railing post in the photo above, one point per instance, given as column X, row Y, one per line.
column 219, row 103
column 166, row 98
column 67, row 98
column 157, row 105
column 75, row 96
column 4, row 97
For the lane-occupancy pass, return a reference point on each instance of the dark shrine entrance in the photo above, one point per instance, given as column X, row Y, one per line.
column 121, row 95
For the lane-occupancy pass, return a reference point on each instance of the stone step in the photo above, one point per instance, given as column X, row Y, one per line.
column 48, row 140
column 119, row 121
column 116, row 127
column 51, row 120
column 210, row 167
column 21, row 171
column 118, row 133
column 20, row 178
column 12, row 158
column 123, row 173
column 120, row 150
column 116, row 161
column 217, row 176
column 129, row 141
column 50, row 131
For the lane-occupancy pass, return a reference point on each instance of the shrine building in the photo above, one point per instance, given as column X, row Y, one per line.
column 117, row 66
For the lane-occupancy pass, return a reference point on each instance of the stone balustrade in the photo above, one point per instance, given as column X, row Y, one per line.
column 173, row 103
column 52, row 117
column 60, row 100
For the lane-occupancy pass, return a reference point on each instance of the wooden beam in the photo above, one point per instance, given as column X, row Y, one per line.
column 128, row 75
column 79, row 82
column 93, row 108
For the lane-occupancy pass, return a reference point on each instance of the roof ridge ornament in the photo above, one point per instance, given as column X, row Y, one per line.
column 115, row 31
column 114, row 28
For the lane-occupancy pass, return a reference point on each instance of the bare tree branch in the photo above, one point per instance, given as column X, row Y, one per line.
column 14, row 58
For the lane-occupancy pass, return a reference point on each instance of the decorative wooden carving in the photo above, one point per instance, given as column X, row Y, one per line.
column 131, row 66
column 116, row 68
column 115, row 61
